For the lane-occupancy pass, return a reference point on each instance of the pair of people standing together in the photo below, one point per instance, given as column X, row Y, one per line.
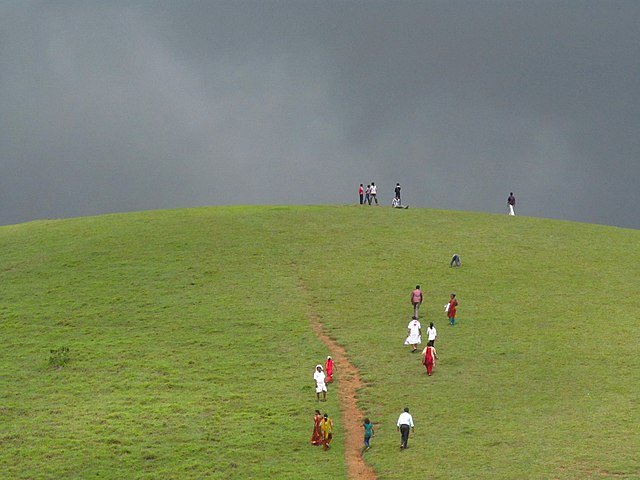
column 322, row 430
column 323, row 376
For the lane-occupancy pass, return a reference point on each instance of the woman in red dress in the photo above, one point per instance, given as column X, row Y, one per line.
column 429, row 357
column 328, row 370
column 316, row 437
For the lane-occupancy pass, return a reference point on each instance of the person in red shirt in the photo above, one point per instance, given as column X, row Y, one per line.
column 429, row 356
column 328, row 368
column 451, row 311
column 416, row 300
column 361, row 193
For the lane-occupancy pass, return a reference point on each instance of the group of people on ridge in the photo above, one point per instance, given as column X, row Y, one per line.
column 370, row 194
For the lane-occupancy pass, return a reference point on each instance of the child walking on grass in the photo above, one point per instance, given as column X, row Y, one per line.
column 368, row 433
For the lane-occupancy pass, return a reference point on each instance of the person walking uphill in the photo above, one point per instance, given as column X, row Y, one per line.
column 405, row 422
column 316, row 436
column 328, row 368
column 414, row 330
column 511, row 201
column 416, row 300
column 432, row 334
column 368, row 433
column 327, row 431
column 429, row 357
column 451, row 309
column 321, row 387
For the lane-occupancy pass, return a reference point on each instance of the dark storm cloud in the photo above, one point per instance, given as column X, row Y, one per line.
column 110, row 106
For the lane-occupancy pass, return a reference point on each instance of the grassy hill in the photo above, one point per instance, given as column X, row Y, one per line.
column 190, row 353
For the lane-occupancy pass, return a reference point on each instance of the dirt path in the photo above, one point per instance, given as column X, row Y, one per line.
column 348, row 384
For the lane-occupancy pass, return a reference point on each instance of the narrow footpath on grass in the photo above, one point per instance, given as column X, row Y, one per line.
column 348, row 384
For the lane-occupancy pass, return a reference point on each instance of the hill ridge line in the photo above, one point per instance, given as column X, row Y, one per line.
column 350, row 381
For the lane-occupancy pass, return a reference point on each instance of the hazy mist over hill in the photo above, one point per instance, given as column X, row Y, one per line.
column 120, row 106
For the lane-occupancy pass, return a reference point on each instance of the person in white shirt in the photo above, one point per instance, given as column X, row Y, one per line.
column 414, row 329
column 321, row 387
column 431, row 333
column 374, row 194
column 405, row 422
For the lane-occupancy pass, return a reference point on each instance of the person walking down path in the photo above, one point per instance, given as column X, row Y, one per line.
column 432, row 334
column 321, row 387
column 451, row 309
column 316, row 437
column 416, row 300
column 405, row 422
column 367, row 195
column 429, row 356
column 368, row 433
column 414, row 329
column 373, row 195
column 361, row 194
column 397, row 193
column 328, row 369
column 327, row 431
column 511, row 201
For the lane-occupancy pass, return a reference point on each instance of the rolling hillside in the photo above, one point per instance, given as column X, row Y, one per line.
column 190, row 353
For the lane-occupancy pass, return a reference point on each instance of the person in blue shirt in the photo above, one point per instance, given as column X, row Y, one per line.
column 368, row 433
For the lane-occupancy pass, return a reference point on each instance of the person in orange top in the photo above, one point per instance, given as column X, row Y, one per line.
column 451, row 311
column 316, row 437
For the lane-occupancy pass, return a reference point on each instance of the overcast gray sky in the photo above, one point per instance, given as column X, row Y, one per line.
column 112, row 106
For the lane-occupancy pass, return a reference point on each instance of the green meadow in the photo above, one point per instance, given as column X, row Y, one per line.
column 190, row 353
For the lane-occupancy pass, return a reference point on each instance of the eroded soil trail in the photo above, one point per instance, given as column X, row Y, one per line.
column 348, row 384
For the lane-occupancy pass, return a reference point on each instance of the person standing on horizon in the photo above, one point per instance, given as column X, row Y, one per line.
column 416, row 300
column 367, row 195
column 397, row 191
column 374, row 194
column 511, row 201
column 361, row 194
column 405, row 422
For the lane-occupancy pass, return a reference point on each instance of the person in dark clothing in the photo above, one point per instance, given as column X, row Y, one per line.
column 511, row 201
column 398, row 192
